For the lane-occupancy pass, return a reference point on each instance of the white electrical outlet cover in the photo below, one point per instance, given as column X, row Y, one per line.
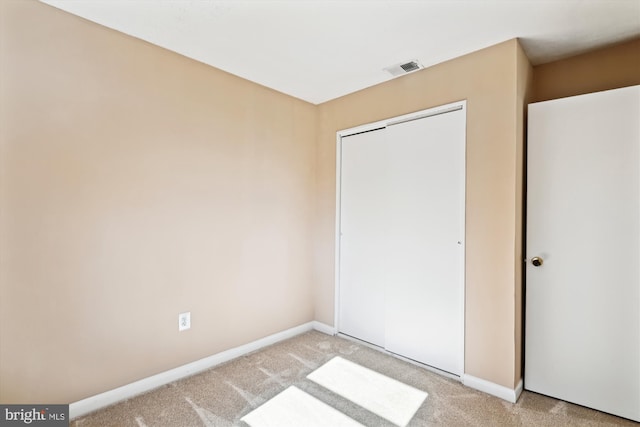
column 184, row 321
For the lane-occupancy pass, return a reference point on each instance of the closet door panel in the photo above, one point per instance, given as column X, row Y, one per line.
column 424, row 299
column 364, row 193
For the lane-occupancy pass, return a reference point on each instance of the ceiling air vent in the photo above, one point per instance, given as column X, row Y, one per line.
column 404, row 68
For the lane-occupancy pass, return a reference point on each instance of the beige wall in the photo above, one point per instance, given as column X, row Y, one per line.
column 609, row 68
column 493, row 81
column 136, row 184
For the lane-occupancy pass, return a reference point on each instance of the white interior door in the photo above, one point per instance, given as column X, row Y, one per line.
column 424, row 302
column 401, row 243
column 583, row 222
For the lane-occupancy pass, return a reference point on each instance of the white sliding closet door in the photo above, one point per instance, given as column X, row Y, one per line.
column 424, row 303
column 401, row 247
column 363, row 222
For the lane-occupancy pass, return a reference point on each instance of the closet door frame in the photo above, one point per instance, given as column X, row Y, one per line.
column 378, row 125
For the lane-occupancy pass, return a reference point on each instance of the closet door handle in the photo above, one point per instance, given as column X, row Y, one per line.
column 536, row 261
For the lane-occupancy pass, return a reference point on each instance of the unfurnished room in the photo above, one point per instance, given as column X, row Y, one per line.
column 318, row 213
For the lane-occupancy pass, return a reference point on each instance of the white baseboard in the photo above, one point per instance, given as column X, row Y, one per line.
column 324, row 328
column 518, row 390
column 506, row 393
column 93, row 403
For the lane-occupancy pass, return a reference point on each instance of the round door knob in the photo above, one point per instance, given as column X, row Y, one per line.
column 536, row 261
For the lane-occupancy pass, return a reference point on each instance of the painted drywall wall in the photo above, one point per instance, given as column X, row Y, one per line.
column 608, row 68
column 136, row 184
column 493, row 81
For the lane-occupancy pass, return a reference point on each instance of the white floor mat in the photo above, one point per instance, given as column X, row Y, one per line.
column 295, row 408
column 384, row 396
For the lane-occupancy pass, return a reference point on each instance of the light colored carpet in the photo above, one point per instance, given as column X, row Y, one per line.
column 295, row 408
column 222, row 396
column 392, row 400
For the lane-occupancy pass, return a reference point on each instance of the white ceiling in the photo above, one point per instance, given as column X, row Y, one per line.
column 318, row 50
